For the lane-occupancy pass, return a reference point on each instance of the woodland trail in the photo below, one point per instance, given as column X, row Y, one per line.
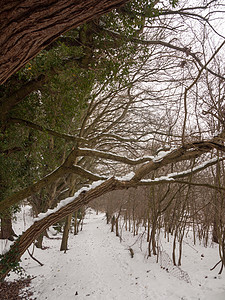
column 98, row 266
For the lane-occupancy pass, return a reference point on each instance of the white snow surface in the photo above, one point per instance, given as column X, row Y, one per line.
column 98, row 266
column 162, row 153
column 126, row 177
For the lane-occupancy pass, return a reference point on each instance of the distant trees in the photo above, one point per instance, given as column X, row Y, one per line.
column 170, row 210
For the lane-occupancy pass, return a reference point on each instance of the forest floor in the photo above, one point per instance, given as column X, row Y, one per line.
column 98, row 265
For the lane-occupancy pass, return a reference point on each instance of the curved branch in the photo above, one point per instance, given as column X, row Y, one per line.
column 28, row 26
column 112, row 156
column 186, row 152
column 84, row 173
column 32, row 189
column 207, row 185
column 7, row 104
column 64, row 136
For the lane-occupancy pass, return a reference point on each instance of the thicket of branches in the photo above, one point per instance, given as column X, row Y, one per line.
column 138, row 91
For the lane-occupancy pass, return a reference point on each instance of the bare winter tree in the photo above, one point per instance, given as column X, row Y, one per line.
column 134, row 125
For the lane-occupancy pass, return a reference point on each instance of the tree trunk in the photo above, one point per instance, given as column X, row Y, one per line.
column 64, row 243
column 28, row 26
column 113, row 220
column 75, row 224
column 174, row 249
column 108, row 217
column 152, row 241
column 39, row 242
column 149, row 229
column 125, row 220
column 129, row 223
column 7, row 231
column 117, row 227
column 181, row 246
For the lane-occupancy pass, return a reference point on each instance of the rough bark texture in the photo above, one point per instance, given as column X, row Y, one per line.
column 28, row 26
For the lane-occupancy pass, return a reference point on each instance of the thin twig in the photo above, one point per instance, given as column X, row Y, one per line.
column 41, row 264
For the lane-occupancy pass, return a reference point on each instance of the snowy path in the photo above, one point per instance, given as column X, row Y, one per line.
column 98, row 267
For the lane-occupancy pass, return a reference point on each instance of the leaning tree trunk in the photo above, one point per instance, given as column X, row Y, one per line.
column 26, row 239
column 28, row 26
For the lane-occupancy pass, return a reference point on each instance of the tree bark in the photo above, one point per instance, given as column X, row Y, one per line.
column 113, row 221
column 28, row 26
column 7, row 231
column 39, row 242
column 64, row 243
column 76, row 224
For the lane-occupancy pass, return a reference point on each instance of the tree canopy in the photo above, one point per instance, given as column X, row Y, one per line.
column 137, row 91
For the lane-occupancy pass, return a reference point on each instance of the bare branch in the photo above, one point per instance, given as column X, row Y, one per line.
column 191, row 85
column 185, row 50
column 66, row 137
column 84, row 173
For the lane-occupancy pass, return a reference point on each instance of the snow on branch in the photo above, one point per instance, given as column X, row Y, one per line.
column 126, row 182
column 196, row 169
column 68, row 200
column 148, row 164
column 174, row 155
column 161, row 153
column 177, row 175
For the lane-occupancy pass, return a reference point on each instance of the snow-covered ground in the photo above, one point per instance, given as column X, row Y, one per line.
column 99, row 266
